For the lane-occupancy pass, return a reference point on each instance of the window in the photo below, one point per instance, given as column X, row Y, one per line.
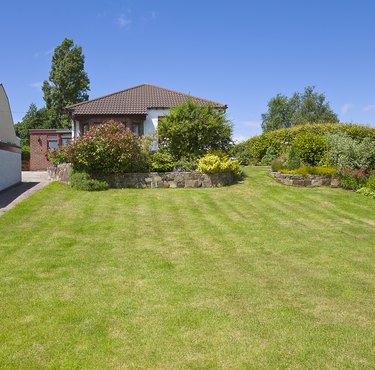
column 52, row 142
column 66, row 140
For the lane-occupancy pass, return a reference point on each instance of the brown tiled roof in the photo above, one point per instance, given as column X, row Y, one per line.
column 135, row 100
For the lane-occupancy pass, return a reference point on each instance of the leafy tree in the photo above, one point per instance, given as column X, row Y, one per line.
column 34, row 118
column 68, row 82
column 308, row 107
column 191, row 130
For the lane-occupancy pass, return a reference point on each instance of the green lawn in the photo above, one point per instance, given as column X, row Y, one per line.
column 255, row 275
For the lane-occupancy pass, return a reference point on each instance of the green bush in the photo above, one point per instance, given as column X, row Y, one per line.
column 57, row 156
column 367, row 192
column 25, row 152
column 353, row 179
column 212, row 163
column 268, row 157
column 346, row 152
column 277, row 165
column 280, row 140
column 191, row 130
column 310, row 147
column 107, row 149
column 370, row 184
column 293, row 159
column 162, row 162
column 83, row 181
column 186, row 165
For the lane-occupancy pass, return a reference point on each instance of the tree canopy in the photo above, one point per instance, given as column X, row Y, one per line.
column 68, row 82
column 190, row 130
column 301, row 108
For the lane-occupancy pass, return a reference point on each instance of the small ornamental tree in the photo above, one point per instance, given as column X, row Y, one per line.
column 191, row 130
column 107, row 149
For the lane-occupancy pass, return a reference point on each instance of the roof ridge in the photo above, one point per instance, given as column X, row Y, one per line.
column 181, row 93
column 104, row 96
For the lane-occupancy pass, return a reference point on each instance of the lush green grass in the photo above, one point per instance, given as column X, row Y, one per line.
column 248, row 276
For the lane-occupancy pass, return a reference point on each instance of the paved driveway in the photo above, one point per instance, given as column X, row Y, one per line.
column 32, row 181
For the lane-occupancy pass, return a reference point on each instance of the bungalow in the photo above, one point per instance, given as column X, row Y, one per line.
column 10, row 151
column 139, row 108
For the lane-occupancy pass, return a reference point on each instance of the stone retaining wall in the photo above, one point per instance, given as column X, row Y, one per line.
column 59, row 172
column 153, row 179
column 308, row 180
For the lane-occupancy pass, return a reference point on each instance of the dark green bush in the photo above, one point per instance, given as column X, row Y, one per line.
column 186, row 165
column 370, row 184
column 83, row 181
column 25, row 152
column 293, row 159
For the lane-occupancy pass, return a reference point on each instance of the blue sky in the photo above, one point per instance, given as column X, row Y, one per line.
column 236, row 52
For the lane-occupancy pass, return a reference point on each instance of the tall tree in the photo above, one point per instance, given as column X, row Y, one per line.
column 308, row 107
column 68, row 82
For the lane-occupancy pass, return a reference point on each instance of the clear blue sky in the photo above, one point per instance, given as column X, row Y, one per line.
column 236, row 52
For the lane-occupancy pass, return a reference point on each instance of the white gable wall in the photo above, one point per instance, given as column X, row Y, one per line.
column 151, row 122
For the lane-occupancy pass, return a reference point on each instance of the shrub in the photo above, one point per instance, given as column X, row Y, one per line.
column 212, row 163
column 83, row 181
column 268, row 157
column 242, row 153
column 280, row 140
column 185, row 165
column 346, row 152
column 57, row 156
column 191, row 130
column 107, row 149
column 353, row 179
column 293, row 159
column 25, row 152
column 162, row 162
column 367, row 192
column 277, row 165
column 308, row 170
column 310, row 147
column 370, row 184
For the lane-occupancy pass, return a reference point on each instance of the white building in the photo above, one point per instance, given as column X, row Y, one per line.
column 10, row 151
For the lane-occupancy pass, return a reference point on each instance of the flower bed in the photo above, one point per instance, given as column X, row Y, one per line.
column 153, row 179
column 306, row 180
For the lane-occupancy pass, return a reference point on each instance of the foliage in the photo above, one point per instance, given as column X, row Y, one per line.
column 57, row 156
column 83, row 181
column 33, row 119
column 242, row 153
column 268, row 157
column 213, row 163
column 107, row 149
column 309, row 170
column 185, row 165
column 367, row 192
column 293, row 159
column 25, row 152
column 354, row 179
column 255, row 148
column 191, row 130
column 308, row 107
column 346, row 152
column 277, row 164
column 310, row 148
column 68, row 82
column 162, row 162
column 370, row 184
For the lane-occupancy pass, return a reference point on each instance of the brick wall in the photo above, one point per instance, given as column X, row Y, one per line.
column 38, row 150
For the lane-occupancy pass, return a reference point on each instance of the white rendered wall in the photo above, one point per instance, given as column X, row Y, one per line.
column 151, row 122
column 10, row 168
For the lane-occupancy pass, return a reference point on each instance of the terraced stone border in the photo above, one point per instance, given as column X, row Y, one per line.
column 153, row 179
column 308, row 180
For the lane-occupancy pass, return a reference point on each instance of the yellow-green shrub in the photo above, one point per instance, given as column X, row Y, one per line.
column 308, row 170
column 213, row 163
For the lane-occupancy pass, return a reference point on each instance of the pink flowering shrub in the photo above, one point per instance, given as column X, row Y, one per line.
column 107, row 149
column 352, row 178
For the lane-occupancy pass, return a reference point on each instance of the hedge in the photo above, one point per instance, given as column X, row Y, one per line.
column 254, row 150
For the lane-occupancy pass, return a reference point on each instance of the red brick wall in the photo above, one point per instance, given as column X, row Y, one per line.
column 38, row 150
